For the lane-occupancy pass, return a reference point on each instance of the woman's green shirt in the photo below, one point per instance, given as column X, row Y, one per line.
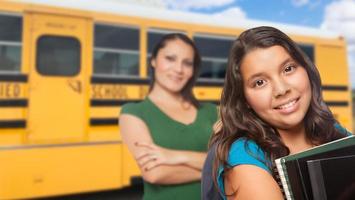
column 169, row 133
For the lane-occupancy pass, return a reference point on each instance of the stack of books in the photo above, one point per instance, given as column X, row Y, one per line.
column 320, row 173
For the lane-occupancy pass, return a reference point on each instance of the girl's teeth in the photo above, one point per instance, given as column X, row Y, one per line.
column 287, row 105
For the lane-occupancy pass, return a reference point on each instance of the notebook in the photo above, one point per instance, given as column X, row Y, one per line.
column 293, row 170
column 332, row 178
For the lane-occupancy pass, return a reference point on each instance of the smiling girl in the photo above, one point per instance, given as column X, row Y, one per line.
column 271, row 106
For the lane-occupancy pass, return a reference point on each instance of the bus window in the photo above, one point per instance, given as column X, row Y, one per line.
column 308, row 49
column 116, row 51
column 214, row 53
column 58, row 56
column 153, row 39
column 10, row 43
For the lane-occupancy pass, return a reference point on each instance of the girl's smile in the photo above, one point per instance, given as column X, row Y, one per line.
column 288, row 107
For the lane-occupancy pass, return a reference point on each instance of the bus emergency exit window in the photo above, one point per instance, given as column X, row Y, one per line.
column 58, row 56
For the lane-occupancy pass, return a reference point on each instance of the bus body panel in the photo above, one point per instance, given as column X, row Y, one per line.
column 54, row 99
column 47, row 170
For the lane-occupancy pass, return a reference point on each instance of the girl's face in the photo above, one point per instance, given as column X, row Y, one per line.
column 276, row 87
column 173, row 65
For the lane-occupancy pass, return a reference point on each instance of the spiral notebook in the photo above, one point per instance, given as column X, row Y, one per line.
column 293, row 169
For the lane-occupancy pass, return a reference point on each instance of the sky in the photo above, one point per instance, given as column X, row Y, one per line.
column 335, row 15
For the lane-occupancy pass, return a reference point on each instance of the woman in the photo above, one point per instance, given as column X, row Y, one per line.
column 168, row 131
column 271, row 106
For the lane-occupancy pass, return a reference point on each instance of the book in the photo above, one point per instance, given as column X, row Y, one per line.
column 332, row 178
column 293, row 170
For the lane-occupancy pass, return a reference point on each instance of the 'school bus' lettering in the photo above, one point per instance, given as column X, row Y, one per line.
column 10, row 90
column 109, row 92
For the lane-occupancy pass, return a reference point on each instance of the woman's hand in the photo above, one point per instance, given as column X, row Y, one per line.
column 136, row 135
column 155, row 155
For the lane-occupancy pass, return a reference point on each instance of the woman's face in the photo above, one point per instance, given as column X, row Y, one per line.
column 173, row 65
column 276, row 87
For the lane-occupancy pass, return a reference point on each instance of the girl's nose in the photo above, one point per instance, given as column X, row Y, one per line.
column 280, row 88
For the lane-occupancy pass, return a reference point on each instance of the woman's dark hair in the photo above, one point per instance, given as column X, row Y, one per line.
column 186, row 91
column 240, row 121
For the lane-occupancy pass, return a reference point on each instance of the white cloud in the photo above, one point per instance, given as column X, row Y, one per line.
column 299, row 3
column 233, row 13
column 340, row 17
column 195, row 4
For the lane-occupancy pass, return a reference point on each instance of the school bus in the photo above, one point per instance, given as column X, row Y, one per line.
column 66, row 67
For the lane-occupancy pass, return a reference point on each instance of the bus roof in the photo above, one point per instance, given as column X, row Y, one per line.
column 136, row 10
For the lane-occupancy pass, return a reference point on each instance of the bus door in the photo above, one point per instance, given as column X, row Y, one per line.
column 57, row 87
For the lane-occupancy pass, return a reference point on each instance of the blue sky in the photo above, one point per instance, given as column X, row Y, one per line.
column 334, row 15
column 284, row 11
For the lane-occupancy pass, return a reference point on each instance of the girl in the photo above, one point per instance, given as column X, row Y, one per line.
column 168, row 132
column 271, row 106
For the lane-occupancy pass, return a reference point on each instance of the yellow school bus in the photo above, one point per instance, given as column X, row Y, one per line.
column 66, row 67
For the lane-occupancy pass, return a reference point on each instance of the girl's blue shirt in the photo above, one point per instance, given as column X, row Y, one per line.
column 245, row 151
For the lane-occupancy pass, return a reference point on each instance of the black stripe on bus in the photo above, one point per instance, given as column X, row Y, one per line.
column 14, row 77
column 103, row 102
column 211, row 83
column 12, row 124
column 337, row 103
column 139, row 81
column 13, row 103
column 103, row 121
column 335, row 87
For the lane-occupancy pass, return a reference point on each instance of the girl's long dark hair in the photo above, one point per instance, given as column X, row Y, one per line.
column 186, row 91
column 239, row 121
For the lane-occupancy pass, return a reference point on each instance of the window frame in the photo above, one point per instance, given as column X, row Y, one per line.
column 116, row 51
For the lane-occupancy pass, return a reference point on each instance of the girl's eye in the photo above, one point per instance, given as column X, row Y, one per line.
column 289, row 68
column 259, row 83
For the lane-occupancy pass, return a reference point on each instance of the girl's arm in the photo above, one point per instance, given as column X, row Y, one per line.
column 159, row 165
column 249, row 182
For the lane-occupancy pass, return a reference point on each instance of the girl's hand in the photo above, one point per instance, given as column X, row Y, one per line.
column 155, row 155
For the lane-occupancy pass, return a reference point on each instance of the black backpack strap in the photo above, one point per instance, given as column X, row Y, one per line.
column 208, row 189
